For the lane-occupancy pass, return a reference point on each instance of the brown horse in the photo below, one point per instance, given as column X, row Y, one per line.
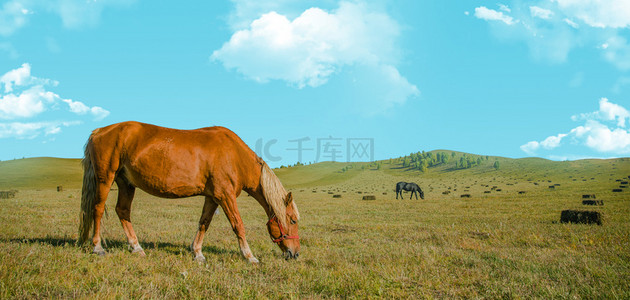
column 169, row 163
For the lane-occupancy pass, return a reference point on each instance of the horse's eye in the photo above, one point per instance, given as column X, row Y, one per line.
column 293, row 221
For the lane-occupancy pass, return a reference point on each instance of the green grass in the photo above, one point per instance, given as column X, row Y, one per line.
column 40, row 173
column 492, row 245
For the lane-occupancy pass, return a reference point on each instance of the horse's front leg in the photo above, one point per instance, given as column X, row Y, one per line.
column 231, row 212
column 209, row 207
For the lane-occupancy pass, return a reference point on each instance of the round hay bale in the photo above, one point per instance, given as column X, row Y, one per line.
column 617, row 190
column 465, row 195
column 593, row 202
column 589, row 196
column 581, row 216
column 521, row 192
column 337, row 196
column 59, row 188
column 369, row 197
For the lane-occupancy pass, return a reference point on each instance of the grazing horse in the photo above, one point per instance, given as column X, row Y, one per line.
column 169, row 163
column 414, row 188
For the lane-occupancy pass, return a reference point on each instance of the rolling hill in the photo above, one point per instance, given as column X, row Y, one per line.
column 49, row 172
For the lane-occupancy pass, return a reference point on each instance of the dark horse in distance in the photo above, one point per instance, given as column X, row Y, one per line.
column 410, row 187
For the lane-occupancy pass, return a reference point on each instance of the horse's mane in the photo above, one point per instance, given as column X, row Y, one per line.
column 275, row 194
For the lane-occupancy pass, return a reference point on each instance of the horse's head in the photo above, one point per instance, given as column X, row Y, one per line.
column 286, row 237
column 421, row 194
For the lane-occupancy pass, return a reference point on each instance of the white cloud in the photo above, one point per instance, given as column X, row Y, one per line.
column 75, row 14
column 530, row 147
column 603, row 131
column 613, row 112
column 32, row 130
column 487, row 14
column 19, row 76
column 571, row 23
column 604, row 139
column 552, row 141
column 27, row 104
column 12, row 17
column 598, row 13
column 616, row 50
column 552, row 29
column 25, row 97
column 22, row 77
column 607, row 112
column 540, row 12
column 309, row 49
column 79, row 108
column 504, row 8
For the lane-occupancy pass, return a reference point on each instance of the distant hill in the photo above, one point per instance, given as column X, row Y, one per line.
column 49, row 172
column 40, row 172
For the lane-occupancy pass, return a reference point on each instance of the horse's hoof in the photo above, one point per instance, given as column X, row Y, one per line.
column 99, row 252
column 139, row 252
column 253, row 260
column 200, row 259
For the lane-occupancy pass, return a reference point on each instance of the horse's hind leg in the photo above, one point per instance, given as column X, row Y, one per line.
column 126, row 192
column 102, row 191
column 209, row 207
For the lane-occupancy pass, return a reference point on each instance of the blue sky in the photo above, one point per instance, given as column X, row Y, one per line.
column 510, row 78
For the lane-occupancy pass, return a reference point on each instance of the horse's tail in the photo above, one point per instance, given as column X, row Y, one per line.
column 88, row 194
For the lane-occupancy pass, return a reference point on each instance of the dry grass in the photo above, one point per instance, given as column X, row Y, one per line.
column 496, row 245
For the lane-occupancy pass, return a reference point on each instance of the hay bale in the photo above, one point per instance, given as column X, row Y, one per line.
column 8, row 194
column 623, row 182
column 552, row 186
column 59, row 188
column 465, row 195
column 593, row 202
column 369, row 197
column 581, row 216
column 337, row 196
column 486, row 192
column 589, row 196
column 446, row 192
column 521, row 192
column 498, row 190
column 330, row 193
column 617, row 190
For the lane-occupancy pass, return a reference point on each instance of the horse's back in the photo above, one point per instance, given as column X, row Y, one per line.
column 172, row 162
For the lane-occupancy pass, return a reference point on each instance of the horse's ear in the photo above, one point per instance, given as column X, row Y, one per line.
column 288, row 199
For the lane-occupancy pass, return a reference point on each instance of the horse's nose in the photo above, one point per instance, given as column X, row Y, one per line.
column 292, row 255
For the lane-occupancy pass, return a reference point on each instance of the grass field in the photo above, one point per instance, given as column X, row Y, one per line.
column 495, row 244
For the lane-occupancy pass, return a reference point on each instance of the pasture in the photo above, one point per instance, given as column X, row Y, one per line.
column 497, row 243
